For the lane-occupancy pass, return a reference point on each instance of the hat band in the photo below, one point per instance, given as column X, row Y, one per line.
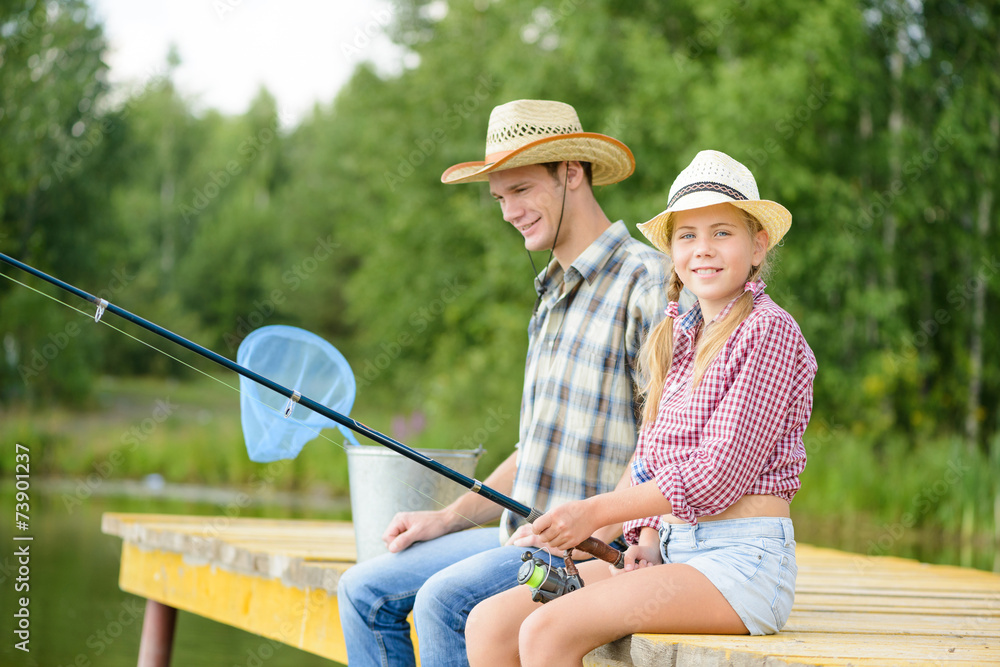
column 707, row 186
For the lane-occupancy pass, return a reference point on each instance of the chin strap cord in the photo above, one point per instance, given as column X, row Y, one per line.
column 562, row 209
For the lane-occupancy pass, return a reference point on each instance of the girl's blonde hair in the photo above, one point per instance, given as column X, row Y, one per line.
column 657, row 351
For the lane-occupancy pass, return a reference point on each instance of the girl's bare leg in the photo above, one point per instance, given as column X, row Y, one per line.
column 671, row 598
column 492, row 628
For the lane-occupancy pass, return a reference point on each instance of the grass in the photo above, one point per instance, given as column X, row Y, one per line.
column 901, row 497
column 190, row 432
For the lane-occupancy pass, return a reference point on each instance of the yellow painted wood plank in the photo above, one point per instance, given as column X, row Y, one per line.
column 322, row 549
column 230, row 529
column 200, row 520
column 902, row 623
column 298, row 617
column 305, row 618
column 205, row 535
column 300, row 534
column 298, row 538
column 262, row 537
column 942, row 590
column 914, row 580
column 332, row 551
column 814, row 602
column 814, row 648
column 798, row 661
column 849, row 609
column 268, row 547
column 308, row 532
column 910, row 569
column 335, row 565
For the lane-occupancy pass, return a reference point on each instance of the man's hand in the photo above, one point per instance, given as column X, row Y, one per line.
column 409, row 527
column 524, row 536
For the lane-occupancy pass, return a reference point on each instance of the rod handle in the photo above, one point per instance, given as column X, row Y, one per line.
column 591, row 545
column 599, row 549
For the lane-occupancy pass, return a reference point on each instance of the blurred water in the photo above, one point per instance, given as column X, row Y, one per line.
column 78, row 614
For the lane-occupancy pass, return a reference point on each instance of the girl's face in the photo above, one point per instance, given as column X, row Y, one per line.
column 713, row 253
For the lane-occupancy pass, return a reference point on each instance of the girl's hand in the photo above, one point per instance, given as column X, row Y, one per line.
column 639, row 556
column 565, row 526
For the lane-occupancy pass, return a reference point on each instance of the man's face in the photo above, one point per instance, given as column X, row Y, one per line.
column 530, row 198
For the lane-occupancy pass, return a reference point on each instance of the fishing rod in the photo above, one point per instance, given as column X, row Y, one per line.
column 591, row 545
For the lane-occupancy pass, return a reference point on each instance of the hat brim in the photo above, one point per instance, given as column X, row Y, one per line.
column 611, row 160
column 773, row 217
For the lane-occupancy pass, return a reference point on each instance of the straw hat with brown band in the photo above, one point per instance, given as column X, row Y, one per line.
column 526, row 132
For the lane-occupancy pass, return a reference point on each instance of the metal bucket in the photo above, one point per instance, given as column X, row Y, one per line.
column 384, row 482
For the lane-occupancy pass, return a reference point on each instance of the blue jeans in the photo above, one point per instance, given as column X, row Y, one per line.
column 440, row 581
column 751, row 561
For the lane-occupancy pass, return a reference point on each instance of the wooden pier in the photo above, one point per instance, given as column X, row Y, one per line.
column 278, row 579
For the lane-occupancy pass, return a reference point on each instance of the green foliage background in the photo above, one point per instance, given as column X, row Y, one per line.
column 876, row 122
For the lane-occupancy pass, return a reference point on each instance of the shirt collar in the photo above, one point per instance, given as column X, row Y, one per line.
column 588, row 265
column 756, row 288
column 692, row 318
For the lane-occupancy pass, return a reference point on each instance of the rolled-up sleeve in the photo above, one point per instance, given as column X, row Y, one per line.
column 631, row 529
column 747, row 423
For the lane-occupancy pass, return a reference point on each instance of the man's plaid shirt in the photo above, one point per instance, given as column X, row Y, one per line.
column 578, row 415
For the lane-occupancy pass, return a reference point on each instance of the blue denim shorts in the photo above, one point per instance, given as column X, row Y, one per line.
column 751, row 561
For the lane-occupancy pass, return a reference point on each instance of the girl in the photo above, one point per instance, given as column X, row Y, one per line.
column 728, row 398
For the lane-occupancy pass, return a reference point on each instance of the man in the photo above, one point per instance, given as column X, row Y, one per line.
column 596, row 301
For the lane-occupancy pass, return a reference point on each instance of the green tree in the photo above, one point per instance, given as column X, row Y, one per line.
column 54, row 179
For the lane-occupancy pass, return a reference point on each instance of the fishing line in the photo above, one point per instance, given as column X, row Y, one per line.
column 591, row 545
column 122, row 331
column 224, row 384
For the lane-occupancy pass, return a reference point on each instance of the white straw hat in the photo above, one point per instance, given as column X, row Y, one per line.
column 715, row 178
column 526, row 132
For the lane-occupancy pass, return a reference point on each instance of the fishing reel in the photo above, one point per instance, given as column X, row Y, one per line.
column 547, row 581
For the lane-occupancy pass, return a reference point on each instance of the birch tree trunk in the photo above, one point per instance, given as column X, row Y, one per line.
column 983, row 215
column 978, row 322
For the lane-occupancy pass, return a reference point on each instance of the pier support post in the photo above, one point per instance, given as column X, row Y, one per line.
column 157, row 635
